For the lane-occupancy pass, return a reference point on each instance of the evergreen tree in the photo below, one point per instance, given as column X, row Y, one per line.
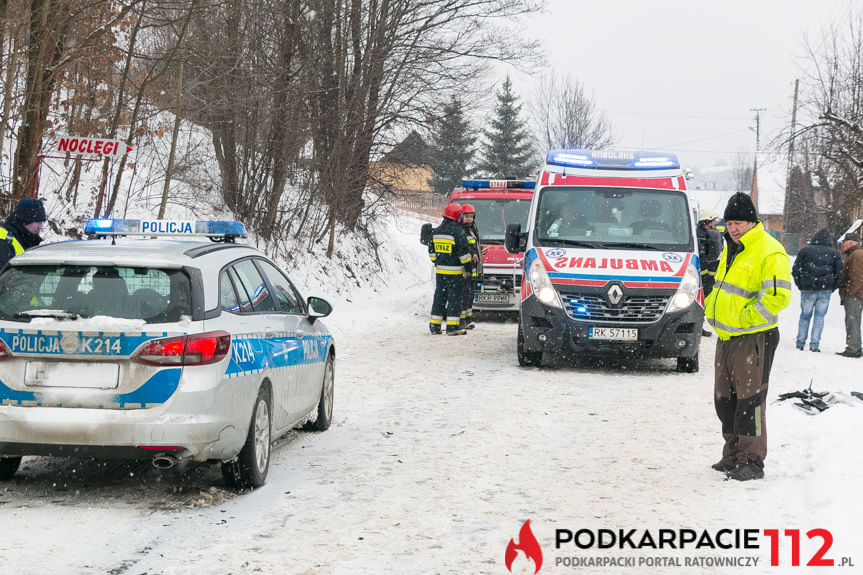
column 507, row 151
column 452, row 143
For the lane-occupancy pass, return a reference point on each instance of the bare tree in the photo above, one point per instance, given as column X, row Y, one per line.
column 382, row 62
column 566, row 117
column 59, row 33
column 832, row 126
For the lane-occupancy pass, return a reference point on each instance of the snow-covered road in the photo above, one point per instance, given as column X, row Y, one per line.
column 442, row 447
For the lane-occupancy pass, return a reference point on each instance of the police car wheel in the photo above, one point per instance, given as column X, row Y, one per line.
column 249, row 469
column 8, row 467
column 526, row 358
column 688, row 364
column 325, row 403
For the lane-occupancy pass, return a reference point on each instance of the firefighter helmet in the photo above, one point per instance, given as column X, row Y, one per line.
column 467, row 209
column 452, row 211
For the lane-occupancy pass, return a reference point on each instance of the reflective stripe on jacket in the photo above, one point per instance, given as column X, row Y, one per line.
column 16, row 245
column 750, row 293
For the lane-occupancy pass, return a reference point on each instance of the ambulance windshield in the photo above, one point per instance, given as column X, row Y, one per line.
column 612, row 218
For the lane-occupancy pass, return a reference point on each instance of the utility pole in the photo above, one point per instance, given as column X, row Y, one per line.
column 754, row 192
column 789, row 195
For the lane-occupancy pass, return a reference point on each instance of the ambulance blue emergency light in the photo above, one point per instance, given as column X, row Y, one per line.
column 221, row 230
column 610, row 159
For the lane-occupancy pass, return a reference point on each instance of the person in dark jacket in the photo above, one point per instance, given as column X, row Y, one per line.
column 851, row 289
column 817, row 272
column 21, row 229
column 468, row 213
column 710, row 244
column 449, row 252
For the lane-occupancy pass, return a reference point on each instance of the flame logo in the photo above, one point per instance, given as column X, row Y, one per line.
column 528, row 544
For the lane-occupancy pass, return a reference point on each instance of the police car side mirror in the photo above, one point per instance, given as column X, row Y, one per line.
column 515, row 240
column 426, row 234
column 318, row 307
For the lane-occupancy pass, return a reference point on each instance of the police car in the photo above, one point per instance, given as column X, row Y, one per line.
column 164, row 348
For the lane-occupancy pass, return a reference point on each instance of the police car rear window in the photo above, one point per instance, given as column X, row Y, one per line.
column 71, row 291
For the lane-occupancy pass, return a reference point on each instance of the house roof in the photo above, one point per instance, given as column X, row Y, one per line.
column 412, row 151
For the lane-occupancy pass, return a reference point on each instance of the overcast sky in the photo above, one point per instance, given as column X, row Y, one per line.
column 684, row 75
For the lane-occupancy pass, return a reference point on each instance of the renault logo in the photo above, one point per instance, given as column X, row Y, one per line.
column 615, row 294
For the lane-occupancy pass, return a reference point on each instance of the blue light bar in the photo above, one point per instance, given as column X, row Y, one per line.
column 498, row 184
column 110, row 227
column 610, row 159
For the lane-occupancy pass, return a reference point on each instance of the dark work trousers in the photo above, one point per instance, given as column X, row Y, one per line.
column 467, row 299
column 447, row 300
column 853, row 307
column 742, row 372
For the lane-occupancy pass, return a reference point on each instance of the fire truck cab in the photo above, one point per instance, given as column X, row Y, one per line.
column 497, row 203
column 611, row 260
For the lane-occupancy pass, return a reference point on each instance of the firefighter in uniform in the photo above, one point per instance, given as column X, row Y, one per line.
column 449, row 252
column 468, row 215
column 753, row 284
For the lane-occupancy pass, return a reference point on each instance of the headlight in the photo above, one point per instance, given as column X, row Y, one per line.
column 687, row 292
column 541, row 285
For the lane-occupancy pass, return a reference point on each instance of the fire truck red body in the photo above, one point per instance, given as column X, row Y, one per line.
column 497, row 202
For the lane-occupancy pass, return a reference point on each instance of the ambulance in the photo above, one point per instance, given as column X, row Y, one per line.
column 611, row 260
column 497, row 203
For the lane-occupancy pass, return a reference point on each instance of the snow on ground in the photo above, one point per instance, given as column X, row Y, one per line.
column 443, row 447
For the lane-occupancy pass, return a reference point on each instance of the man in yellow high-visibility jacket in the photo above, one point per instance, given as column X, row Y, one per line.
column 753, row 284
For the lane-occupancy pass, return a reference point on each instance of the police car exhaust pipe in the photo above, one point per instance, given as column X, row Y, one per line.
column 164, row 461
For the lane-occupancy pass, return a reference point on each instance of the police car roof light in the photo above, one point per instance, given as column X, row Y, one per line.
column 610, row 159
column 499, row 184
column 120, row 227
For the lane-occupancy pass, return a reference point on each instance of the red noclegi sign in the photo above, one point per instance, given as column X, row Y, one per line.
column 95, row 146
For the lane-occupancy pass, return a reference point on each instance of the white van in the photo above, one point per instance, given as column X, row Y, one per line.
column 611, row 260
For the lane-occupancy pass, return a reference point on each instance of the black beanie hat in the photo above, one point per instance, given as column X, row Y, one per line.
column 740, row 208
column 30, row 210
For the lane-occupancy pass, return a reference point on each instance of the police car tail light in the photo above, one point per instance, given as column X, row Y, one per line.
column 541, row 285
column 197, row 349
column 687, row 292
column 4, row 351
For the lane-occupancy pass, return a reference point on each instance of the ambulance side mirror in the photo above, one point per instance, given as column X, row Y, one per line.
column 515, row 240
column 426, row 234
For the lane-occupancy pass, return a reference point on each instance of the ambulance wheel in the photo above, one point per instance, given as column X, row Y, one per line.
column 688, row 364
column 8, row 467
column 526, row 358
column 325, row 403
column 249, row 469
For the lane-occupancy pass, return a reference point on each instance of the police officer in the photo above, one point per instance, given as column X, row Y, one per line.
column 468, row 215
column 21, row 229
column 449, row 252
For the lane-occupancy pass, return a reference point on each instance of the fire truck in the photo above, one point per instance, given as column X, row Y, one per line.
column 497, row 203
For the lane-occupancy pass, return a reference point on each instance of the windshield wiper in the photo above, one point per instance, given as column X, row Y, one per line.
column 634, row 245
column 53, row 313
column 565, row 242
